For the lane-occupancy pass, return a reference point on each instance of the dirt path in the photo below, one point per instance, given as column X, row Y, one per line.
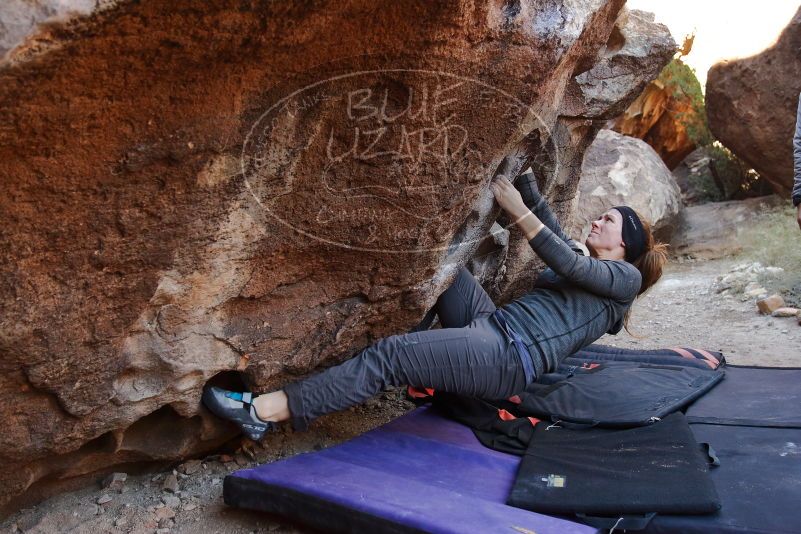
column 682, row 310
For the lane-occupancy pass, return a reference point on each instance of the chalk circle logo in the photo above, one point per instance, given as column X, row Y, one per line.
column 384, row 160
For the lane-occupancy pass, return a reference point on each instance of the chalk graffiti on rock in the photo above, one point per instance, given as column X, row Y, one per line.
column 378, row 160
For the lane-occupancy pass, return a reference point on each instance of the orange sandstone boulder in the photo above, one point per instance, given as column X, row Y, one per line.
column 243, row 191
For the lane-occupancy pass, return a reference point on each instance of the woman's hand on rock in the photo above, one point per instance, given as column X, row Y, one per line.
column 508, row 197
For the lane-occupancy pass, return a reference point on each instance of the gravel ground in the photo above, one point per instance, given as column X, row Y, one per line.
column 194, row 503
column 683, row 309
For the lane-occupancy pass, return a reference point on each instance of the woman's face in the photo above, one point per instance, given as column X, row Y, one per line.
column 606, row 232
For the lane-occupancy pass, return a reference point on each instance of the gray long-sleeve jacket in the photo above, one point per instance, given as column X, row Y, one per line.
column 796, row 195
column 576, row 300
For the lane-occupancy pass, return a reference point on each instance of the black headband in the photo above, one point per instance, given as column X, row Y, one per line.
column 633, row 233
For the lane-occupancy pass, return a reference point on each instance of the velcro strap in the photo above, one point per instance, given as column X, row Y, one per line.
column 626, row 522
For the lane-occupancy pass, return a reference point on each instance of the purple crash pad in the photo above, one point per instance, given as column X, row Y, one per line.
column 418, row 473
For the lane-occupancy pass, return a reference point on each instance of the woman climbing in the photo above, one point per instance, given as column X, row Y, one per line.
column 483, row 351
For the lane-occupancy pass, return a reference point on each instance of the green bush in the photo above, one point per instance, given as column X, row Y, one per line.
column 727, row 177
column 735, row 179
column 680, row 82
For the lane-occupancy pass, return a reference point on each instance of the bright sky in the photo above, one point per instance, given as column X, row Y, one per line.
column 724, row 29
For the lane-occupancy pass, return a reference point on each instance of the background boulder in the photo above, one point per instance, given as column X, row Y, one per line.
column 751, row 106
column 622, row 170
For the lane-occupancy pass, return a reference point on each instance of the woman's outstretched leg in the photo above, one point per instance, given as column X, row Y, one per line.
column 470, row 355
column 463, row 302
column 477, row 360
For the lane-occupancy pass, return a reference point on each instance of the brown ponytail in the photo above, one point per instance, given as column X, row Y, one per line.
column 649, row 264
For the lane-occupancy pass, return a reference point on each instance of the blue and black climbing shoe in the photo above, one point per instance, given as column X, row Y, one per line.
column 237, row 407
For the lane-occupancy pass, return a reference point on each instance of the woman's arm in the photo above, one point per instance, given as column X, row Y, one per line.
column 530, row 193
column 615, row 279
column 512, row 203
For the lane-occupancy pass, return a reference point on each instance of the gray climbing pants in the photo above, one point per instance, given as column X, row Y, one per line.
column 470, row 355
